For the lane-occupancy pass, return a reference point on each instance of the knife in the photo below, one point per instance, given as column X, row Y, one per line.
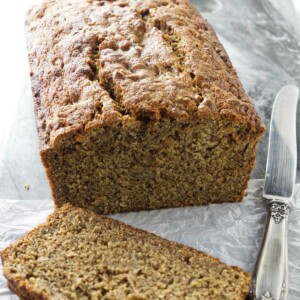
column 270, row 275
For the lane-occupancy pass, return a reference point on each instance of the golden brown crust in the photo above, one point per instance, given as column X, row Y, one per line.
column 26, row 290
column 99, row 63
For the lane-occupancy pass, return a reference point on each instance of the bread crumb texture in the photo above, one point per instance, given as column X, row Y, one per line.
column 77, row 254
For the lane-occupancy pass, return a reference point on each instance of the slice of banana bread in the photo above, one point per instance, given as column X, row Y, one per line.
column 137, row 106
column 78, row 254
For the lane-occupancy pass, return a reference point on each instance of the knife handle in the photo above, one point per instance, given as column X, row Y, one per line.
column 270, row 275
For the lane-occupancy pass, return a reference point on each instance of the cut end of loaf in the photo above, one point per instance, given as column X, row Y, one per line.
column 80, row 255
column 152, row 165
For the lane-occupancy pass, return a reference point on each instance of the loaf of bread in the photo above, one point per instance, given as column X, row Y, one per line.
column 137, row 106
column 78, row 254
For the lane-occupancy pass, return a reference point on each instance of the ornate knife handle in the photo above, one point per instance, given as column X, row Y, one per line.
column 270, row 276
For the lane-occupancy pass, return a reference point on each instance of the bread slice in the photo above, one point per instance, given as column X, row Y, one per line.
column 137, row 106
column 77, row 254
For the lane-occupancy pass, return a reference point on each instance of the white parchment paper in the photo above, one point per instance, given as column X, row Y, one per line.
column 232, row 232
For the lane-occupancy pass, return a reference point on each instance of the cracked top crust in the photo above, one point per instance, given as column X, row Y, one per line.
column 100, row 63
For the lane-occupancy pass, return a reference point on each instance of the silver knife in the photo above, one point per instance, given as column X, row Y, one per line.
column 270, row 276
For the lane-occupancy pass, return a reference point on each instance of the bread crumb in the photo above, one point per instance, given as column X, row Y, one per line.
column 26, row 186
column 138, row 264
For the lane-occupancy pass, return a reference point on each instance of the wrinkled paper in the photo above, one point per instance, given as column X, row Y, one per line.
column 231, row 232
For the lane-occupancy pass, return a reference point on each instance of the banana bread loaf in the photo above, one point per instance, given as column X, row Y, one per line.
column 78, row 254
column 137, row 106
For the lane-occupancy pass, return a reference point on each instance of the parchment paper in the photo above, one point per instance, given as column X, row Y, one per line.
column 232, row 232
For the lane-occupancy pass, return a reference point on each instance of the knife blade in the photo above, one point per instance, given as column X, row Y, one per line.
column 282, row 152
column 270, row 275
